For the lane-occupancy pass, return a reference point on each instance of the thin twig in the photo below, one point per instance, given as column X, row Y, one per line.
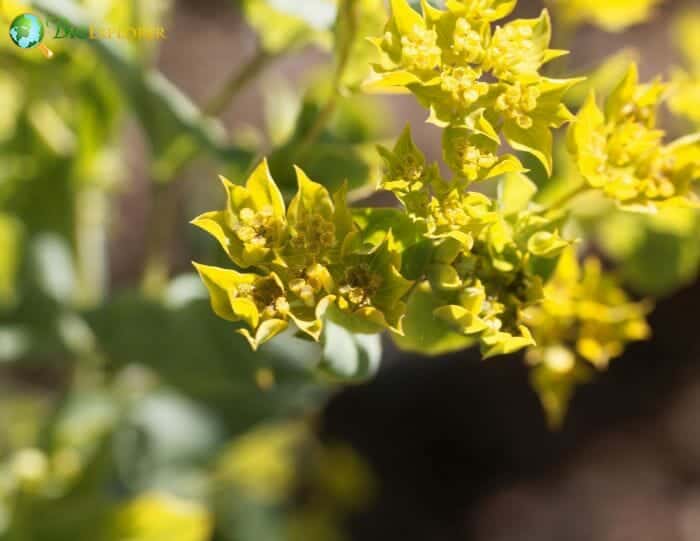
column 328, row 109
column 235, row 83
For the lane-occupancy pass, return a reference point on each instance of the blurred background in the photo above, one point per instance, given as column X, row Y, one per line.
column 129, row 412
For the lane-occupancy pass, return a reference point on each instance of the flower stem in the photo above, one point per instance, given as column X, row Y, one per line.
column 349, row 14
column 164, row 192
column 90, row 246
column 162, row 217
column 563, row 201
column 235, row 83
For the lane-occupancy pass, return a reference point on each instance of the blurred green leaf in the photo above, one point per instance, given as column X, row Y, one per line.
column 202, row 356
column 163, row 111
column 515, row 191
column 376, row 222
column 287, row 24
column 10, row 248
column 53, row 264
column 343, row 150
column 656, row 254
column 166, row 443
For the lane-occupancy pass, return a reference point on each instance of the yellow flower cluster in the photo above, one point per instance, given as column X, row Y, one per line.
column 477, row 78
column 585, row 319
column 620, row 151
column 305, row 261
column 486, row 263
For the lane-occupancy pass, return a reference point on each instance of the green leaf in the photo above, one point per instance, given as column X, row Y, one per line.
column 662, row 259
column 623, row 93
column 537, row 140
column 443, row 277
column 423, row 332
column 10, row 248
column 405, row 17
column 343, row 151
column 201, row 355
column 546, row 244
column 515, row 191
column 349, row 357
column 375, row 223
column 415, row 259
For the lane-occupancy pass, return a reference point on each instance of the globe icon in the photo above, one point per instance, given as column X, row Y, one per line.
column 26, row 31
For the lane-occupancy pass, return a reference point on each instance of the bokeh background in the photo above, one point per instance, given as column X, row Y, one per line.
column 128, row 412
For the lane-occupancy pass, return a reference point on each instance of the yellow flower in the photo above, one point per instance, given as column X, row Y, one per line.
column 370, row 287
column 585, row 320
column 298, row 246
column 252, row 229
column 258, row 301
column 621, row 152
column 611, row 15
column 585, row 311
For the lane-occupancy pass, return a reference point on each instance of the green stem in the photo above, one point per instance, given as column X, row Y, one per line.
column 90, row 246
column 164, row 193
column 235, row 83
column 162, row 217
column 563, row 201
column 319, row 124
column 326, row 113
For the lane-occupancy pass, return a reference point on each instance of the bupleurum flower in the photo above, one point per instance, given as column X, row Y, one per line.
column 487, row 287
column 408, row 176
column 252, row 228
column 482, row 10
column 516, row 101
column 468, row 40
column 258, row 301
column 290, row 253
column 585, row 319
column 419, row 50
column 471, row 78
column 370, row 287
column 621, row 151
column 474, row 157
column 317, row 259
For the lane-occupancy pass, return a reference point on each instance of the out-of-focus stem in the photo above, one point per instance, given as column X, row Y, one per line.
column 161, row 225
column 90, row 246
column 563, row 201
column 236, row 81
column 349, row 12
column 164, row 192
